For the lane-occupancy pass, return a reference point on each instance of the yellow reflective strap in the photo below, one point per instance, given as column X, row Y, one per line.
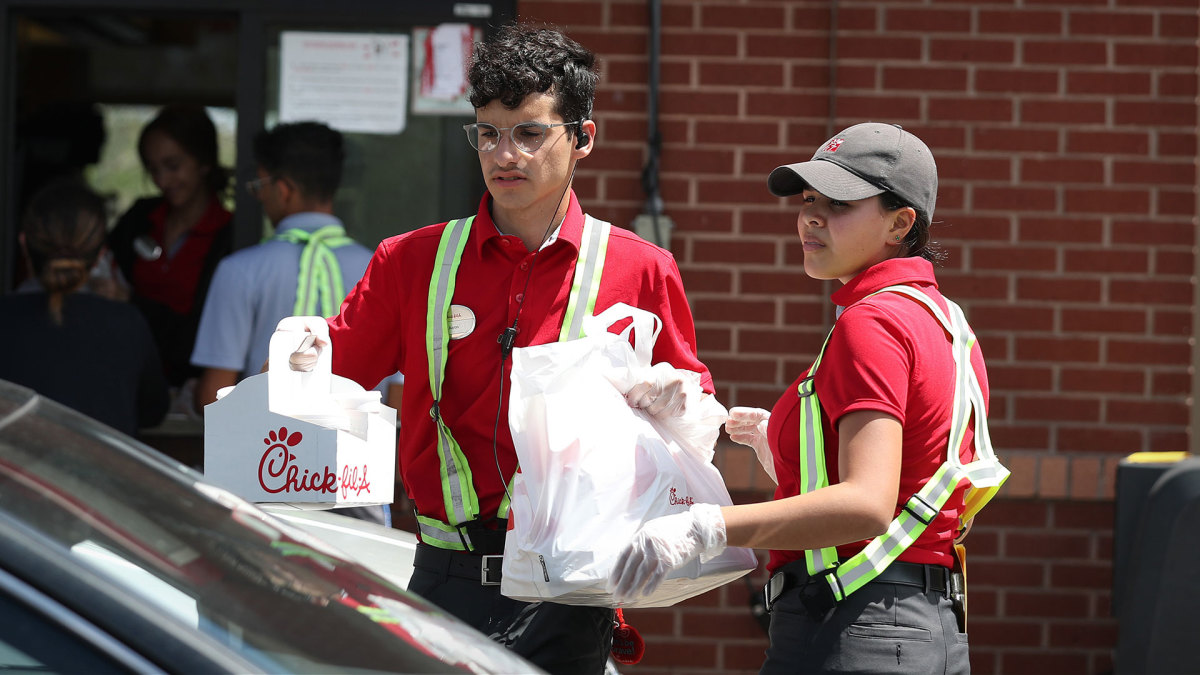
column 458, row 491
column 585, row 284
column 813, row 473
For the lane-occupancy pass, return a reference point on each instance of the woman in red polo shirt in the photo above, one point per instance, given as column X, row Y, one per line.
column 168, row 246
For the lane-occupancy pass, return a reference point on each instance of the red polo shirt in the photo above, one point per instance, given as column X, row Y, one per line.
column 171, row 279
column 886, row 353
column 381, row 329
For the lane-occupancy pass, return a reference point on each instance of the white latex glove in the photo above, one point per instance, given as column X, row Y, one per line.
column 661, row 393
column 664, row 544
column 748, row 426
column 305, row 357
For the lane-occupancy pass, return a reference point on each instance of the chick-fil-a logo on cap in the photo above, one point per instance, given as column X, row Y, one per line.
column 278, row 471
column 834, row 144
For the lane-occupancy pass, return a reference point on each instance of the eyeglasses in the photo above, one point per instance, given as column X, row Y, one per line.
column 526, row 136
column 254, row 186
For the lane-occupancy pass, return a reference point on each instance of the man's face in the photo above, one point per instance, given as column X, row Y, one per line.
column 527, row 184
column 268, row 195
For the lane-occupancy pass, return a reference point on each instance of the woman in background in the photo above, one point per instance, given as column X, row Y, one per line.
column 168, row 246
column 78, row 348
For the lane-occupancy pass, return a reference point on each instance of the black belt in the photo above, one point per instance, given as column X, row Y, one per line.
column 484, row 569
column 818, row 598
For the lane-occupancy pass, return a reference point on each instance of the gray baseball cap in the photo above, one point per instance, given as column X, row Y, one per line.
column 863, row 161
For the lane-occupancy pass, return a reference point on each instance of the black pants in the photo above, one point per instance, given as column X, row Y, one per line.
column 561, row 639
column 880, row 628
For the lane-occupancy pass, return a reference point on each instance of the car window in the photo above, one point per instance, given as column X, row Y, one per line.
column 210, row 561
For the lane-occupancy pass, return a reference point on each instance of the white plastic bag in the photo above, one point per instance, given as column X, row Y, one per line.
column 593, row 470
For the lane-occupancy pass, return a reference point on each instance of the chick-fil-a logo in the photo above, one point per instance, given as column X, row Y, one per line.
column 686, row 501
column 278, row 471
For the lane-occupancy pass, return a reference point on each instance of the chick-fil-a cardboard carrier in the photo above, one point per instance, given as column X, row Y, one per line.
column 312, row 439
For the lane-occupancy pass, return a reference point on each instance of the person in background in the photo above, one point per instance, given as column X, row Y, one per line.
column 85, row 351
column 305, row 269
column 168, row 246
column 867, row 447
column 516, row 256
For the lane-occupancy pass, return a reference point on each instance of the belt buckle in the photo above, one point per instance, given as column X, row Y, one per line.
column 488, row 576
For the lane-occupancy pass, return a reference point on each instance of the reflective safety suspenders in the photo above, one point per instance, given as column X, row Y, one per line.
column 458, row 488
column 320, row 276
column 985, row 473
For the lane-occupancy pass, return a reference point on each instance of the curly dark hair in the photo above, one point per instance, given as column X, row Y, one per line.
column 309, row 153
column 918, row 241
column 520, row 59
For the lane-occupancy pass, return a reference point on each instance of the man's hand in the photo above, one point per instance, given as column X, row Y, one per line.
column 662, row 393
column 748, row 426
column 665, row 544
column 304, row 358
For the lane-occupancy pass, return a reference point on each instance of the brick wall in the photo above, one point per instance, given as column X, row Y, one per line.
column 1066, row 138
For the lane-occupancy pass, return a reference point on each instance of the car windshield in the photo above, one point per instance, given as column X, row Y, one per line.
column 208, row 560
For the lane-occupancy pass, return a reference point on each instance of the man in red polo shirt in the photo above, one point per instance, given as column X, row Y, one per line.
column 516, row 267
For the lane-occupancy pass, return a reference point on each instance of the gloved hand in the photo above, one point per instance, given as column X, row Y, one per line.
column 304, row 358
column 664, row 544
column 662, row 393
column 748, row 426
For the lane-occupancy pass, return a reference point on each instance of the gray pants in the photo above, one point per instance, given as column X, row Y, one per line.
column 880, row 628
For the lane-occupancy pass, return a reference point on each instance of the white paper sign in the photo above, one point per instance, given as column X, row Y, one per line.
column 355, row 82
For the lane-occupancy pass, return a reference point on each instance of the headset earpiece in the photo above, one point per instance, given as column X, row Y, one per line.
column 582, row 140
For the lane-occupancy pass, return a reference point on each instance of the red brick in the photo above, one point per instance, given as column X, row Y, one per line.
column 695, row 43
column 900, row 107
column 721, row 624
column 1176, row 203
column 1079, row 635
column 777, row 342
column 804, row 313
column 1108, row 142
column 1063, row 112
column 1061, row 170
column 1066, row 53
column 688, row 654
column 1058, row 349
column 742, row 369
column 609, row 43
column 610, row 101
column 1106, row 261
column 1043, row 660
column 1149, row 353
column 1180, row 145
column 1008, row 512
column 1154, row 173
column 677, row 15
column 753, row 15
column 1179, row 25
column 1022, row 436
column 789, row 46
column 769, row 106
column 928, row 20
column 1163, row 292
column 973, row 109
column 1172, row 323
column 1107, row 201
column 1155, row 113
column 1085, row 516
column 1057, row 409
column 712, row 339
column 1103, row 320
column 1014, row 139
column 1125, row 24
column 697, row 161
column 1109, row 83
column 741, row 73
column 1051, row 545
column 741, row 310
column 613, row 157
column 1014, row 80
column 1021, row 22
column 923, row 78
column 1003, row 633
column 1026, row 198
column 1093, row 439
column 975, row 286
column 1150, row 233
column 1014, row 259
column 1002, row 573
column 702, row 220
column 1024, row 378
column 1176, row 85
column 738, row 133
column 974, row 228
column 1155, row 54
column 573, row 14
column 874, row 47
column 770, row 283
column 1143, row 412
column 848, row 76
column 953, row 50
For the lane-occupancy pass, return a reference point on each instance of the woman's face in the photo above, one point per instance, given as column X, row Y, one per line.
column 177, row 174
column 842, row 239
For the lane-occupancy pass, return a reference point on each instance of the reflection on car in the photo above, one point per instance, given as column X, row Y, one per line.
column 113, row 557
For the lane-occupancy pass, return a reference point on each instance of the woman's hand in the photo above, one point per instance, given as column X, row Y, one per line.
column 748, row 426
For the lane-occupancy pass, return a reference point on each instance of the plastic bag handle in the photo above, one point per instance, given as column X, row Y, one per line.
column 645, row 326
